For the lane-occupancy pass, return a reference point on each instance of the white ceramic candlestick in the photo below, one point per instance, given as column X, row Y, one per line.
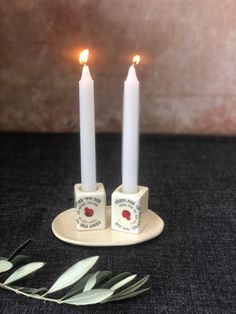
column 90, row 208
column 129, row 210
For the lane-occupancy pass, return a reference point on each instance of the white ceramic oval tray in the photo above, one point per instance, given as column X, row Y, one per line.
column 64, row 228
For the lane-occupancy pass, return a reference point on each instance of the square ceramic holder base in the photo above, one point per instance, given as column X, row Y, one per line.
column 90, row 208
column 128, row 211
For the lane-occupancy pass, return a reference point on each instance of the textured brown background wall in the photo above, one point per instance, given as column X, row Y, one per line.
column 187, row 73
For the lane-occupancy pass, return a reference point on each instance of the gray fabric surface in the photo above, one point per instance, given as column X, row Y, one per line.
column 192, row 183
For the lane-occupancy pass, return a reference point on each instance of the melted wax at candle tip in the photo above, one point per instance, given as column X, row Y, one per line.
column 86, row 76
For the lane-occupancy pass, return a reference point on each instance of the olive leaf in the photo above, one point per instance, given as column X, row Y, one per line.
column 19, row 249
column 73, row 274
column 126, row 296
column 89, row 297
column 102, row 276
column 77, row 287
column 90, row 282
column 23, row 272
column 123, row 282
column 30, row 290
column 134, row 287
column 115, row 279
column 5, row 265
column 129, row 290
column 19, row 259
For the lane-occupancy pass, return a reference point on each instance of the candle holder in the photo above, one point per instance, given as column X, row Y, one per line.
column 90, row 208
column 128, row 211
column 129, row 214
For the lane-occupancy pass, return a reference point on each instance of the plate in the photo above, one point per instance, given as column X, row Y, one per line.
column 64, row 228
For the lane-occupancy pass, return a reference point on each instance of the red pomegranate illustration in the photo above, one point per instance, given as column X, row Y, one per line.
column 88, row 212
column 126, row 214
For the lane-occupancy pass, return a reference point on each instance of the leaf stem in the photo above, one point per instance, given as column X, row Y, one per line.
column 30, row 295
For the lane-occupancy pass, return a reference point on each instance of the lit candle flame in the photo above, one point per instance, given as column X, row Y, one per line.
column 83, row 57
column 136, row 59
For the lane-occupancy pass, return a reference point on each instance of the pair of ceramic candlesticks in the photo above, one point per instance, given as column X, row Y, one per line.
column 128, row 211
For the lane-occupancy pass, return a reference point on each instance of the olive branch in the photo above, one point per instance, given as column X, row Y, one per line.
column 83, row 287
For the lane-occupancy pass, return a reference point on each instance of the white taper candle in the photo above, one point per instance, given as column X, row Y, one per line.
column 130, row 138
column 87, row 131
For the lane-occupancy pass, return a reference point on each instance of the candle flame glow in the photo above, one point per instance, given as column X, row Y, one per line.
column 136, row 59
column 83, row 57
